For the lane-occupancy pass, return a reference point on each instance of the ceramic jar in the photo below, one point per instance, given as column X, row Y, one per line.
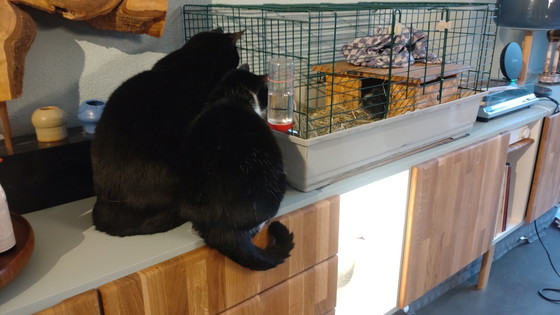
column 49, row 123
column 89, row 113
column 7, row 237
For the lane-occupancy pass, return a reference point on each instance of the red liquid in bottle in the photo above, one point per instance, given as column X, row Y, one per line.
column 281, row 127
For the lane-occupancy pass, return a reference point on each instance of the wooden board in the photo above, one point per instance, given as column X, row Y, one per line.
column 310, row 292
column 406, row 98
column 418, row 73
column 17, row 32
column 13, row 261
column 72, row 9
column 86, row 303
column 453, row 202
column 545, row 189
column 135, row 16
column 205, row 282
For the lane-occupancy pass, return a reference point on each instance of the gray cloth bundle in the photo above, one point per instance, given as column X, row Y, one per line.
column 375, row 51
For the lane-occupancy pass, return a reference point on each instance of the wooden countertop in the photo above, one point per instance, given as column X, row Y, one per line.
column 71, row 257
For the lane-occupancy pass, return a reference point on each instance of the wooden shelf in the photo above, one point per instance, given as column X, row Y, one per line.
column 28, row 143
column 55, row 173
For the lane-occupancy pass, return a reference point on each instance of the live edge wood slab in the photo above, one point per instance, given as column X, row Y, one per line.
column 17, row 32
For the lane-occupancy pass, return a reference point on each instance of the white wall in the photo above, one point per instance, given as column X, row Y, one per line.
column 70, row 61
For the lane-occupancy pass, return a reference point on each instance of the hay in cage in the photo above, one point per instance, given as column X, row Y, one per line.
column 335, row 118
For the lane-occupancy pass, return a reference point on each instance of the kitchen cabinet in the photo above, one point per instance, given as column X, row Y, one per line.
column 311, row 292
column 205, row 282
column 545, row 189
column 451, row 214
column 378, row 223
column 86, row 303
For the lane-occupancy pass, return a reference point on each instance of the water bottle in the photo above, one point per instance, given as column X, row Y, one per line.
column 280, row 109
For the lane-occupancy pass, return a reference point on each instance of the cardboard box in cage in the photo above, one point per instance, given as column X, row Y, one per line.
column 317, row 162
column 407, row 89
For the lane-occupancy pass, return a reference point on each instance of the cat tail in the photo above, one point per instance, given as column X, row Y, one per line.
column 238, row 246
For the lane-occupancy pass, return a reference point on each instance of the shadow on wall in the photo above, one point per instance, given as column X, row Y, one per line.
column 71, row 61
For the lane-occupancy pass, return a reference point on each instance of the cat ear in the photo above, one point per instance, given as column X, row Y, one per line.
column 236, row 36
column 244, row 66
column 217, row 30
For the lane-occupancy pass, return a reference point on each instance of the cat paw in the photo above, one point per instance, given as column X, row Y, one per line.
column 281, row 239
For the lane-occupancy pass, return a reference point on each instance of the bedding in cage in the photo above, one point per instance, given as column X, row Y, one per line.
column 396, row 75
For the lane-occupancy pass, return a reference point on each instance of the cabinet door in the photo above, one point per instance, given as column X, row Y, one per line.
column 205, row 282
column 452, row 208
column 86, row 303
column 545, row 189
column 310, row 292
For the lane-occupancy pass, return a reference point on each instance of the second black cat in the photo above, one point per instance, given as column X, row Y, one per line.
column 235, row 181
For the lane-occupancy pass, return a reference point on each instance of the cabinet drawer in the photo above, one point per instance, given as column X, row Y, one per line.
column 86, row 303
column 205, row 282
column 310, row 292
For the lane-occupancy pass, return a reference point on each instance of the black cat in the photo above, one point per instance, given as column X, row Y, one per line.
column 236, row 179
column 140, row 152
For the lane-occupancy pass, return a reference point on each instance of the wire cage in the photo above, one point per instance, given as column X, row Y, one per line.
column 362, row 62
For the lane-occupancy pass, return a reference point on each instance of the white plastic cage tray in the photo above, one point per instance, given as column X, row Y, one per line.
column 317, row 162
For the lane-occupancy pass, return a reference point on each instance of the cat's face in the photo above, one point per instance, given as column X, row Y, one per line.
column 243, row 85
column 257, row 84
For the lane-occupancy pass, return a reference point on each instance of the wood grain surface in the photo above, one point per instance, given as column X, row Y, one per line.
column 205, row 282
column 416, row 74
column 451, row 214
column 72, row 9
column 310, row 292
column 545, row 189
column 17, row 32
column 86, row 303
column 135, row 16
column 13, row 261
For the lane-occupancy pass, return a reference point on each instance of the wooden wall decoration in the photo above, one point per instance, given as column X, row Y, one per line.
column 72, row 9
column 17, row 32
column 134, row 16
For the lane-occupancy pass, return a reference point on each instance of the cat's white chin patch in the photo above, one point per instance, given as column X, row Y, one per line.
column 256, row 105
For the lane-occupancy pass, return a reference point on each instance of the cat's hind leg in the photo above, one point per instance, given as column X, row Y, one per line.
column 118, row 218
